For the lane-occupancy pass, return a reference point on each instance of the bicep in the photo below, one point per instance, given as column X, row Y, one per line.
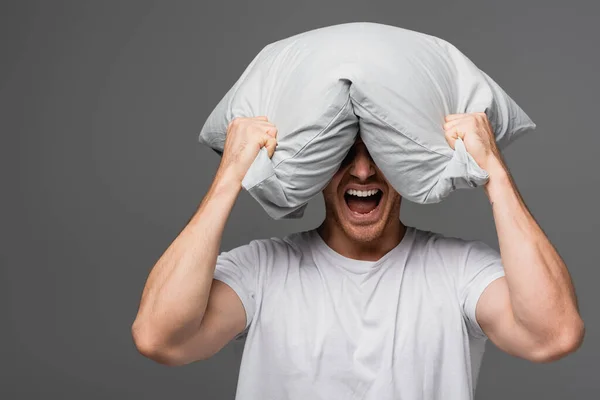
column 223, row 320
column 494, row 315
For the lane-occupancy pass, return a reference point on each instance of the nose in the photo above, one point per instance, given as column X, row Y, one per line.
column 362, row 165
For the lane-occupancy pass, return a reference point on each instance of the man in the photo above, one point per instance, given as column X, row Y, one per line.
column 362, row 307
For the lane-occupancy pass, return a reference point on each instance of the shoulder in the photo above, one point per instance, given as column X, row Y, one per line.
column 451, row 248
column 436, row 241
column 265, row 248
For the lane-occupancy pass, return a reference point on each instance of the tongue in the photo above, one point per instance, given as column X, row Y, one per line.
column 361, row 205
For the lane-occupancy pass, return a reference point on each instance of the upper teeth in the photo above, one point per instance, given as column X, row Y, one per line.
column 362, row 193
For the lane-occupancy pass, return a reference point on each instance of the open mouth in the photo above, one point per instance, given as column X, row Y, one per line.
column 363, row 201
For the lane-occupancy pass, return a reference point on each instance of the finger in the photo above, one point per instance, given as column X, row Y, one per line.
column 452, row 124
column 459, row 133
column 262, row 118
column 451, row 117
column 270, row 144
column 451, row 137
column 272, row 131
column 262, row 128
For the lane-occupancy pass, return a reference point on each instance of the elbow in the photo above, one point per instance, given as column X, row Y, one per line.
column 565, row 342
column 150, row 345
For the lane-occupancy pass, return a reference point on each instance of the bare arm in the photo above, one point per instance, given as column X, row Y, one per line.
column 532, row 312
column 184, row 314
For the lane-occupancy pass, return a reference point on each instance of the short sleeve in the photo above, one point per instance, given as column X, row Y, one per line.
column 479, row 266
column 238, row 268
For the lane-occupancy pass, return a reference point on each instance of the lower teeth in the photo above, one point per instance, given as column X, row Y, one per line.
column 359, row 213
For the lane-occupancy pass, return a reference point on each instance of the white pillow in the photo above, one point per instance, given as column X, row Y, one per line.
column 321, row 87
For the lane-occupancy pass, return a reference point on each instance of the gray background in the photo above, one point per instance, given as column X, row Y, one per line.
column 101, row 103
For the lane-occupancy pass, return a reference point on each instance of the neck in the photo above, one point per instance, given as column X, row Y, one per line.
column 371, row 249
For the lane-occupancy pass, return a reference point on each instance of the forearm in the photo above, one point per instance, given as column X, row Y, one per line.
column 541, row 291
column 176, row 293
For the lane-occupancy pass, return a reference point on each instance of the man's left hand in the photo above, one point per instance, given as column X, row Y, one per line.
column 477, row 134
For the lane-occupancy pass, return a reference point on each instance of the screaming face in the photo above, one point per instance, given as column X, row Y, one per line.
column 360, row 203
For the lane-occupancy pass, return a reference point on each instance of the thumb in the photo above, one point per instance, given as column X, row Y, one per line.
column 451, row 138
column 270, row 143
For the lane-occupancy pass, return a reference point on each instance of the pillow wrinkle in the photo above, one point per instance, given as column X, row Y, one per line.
column 392, row 85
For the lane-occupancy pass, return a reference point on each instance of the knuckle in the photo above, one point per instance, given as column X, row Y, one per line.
column 234, row 122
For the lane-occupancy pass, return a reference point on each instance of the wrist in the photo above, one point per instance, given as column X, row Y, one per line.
column 495, row 166
column 227, row 181
column 498, row 176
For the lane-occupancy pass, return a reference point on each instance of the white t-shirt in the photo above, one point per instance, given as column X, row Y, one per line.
column 323, row 326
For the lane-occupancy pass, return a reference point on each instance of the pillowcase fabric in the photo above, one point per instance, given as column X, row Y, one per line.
column 392, row 85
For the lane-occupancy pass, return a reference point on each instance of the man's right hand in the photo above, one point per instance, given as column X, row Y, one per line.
column 245, row 138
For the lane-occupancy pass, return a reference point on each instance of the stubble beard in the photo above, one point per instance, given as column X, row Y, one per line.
column 361, row 233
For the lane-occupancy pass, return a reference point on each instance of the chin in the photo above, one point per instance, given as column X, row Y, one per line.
column 363, row 234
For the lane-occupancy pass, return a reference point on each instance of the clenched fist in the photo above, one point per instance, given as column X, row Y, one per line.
column 245, row 137
column 476, row 132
